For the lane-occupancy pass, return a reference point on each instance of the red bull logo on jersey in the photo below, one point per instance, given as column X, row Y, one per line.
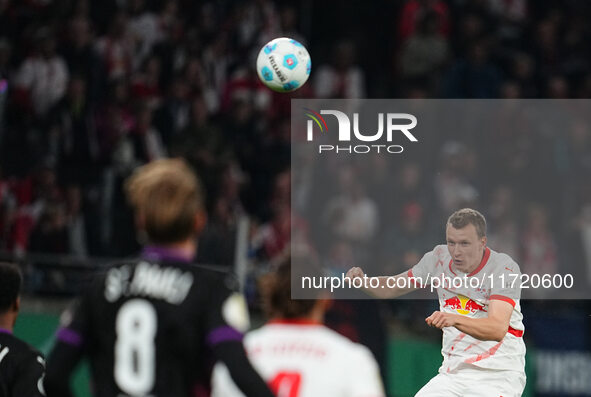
column 463, row 305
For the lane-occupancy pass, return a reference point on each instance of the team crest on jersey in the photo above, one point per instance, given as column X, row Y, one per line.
column 463, row 305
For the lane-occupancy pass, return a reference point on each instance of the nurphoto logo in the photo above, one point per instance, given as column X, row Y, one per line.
column 395, row 124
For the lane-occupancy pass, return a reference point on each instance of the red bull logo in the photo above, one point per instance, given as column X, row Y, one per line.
column 463, row 305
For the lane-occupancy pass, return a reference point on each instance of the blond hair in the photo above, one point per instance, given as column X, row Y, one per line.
column 166, row 196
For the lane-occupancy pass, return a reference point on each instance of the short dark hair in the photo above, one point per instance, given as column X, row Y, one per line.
column 276, row 288
column 10, row 285
column 468, row 216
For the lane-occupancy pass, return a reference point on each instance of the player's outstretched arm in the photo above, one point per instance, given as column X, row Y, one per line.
column 494, row 327
column 389, row 286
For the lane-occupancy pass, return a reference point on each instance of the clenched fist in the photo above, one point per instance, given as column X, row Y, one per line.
column 355, row 272
column 441, row 320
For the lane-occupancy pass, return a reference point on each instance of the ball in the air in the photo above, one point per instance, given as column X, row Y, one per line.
column 284, row 64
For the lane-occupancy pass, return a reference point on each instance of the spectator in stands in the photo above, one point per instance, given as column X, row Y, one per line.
column 82, row 57
column 452, row 187
column 425, row 52
column 117, row 48
column 73, row 137
column 411, row 14
column 50, row 234
column 144, row 28
column 582, row 225
column 504, row 222
column 114, row 119
column 202, row 144
column 405, row 243
column 522, row 72
column 76, row 222
column 475, row 76
column 7, row 210
column 342, row 78
column 34, row 196
column 410, row 187
column 145, row 85
column 43, row 76
column 146, row 139
column 194, row 76
column 539, row 252
column 173, row 115
column 351, row 215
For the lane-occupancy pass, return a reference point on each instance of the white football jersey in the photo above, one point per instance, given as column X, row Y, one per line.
column 497, row 277
column 303, row 359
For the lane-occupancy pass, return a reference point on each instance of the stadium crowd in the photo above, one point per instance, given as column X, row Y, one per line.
column 90, row 90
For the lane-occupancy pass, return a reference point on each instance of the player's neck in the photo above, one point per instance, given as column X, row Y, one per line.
column 187, row 249
column 477, row 264
column 317, row 313
column 7, row 322
column 315, row 317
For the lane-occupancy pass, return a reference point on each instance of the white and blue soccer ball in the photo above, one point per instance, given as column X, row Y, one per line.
column 284, row 64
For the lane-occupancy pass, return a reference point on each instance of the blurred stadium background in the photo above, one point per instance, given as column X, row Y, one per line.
column 89, row 90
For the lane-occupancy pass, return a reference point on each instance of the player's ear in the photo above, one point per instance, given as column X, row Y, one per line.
column 140, row 221
column 200, row 221
column 325, row 302
column 140, row 227
column 484, row 240
column 17, row 304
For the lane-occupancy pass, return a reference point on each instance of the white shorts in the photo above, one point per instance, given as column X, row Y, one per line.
column 475, row 383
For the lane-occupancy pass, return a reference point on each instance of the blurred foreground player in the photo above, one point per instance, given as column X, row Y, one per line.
column 483, row 349
column 151, row 326
column 21, row 366
column 297, row 355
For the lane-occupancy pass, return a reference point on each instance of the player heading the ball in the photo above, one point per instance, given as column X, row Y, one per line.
column 483, row 349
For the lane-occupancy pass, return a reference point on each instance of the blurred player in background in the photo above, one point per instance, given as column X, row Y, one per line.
column 297, row 354
column 21, row 366
column 150, row 326
column 483, row 349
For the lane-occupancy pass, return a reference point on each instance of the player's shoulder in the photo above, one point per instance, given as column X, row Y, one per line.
column 502, row 262
column 321, row 334
column 20, row 350
column 352, row 352
column 204, row 275
column 122, row 267
column 440, row 251
column 217, row 277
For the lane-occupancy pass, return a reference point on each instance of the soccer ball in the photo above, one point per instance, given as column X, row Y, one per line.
column 284, row 64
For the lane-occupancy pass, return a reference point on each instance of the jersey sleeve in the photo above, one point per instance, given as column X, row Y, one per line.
column 222, row 384
column 423, row 271
column 365, row 379
column 71, row 339
column 227, row 319
column 74, row 329
column 506, row 283
column 29, row 379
